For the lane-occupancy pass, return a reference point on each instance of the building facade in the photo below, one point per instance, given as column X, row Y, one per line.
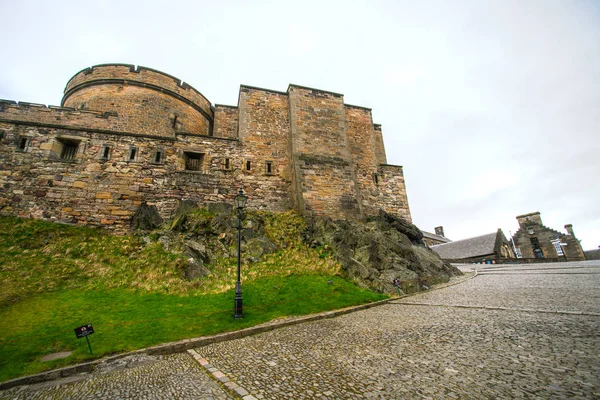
column 125, row 135
column 534, row 240
column 492, row 248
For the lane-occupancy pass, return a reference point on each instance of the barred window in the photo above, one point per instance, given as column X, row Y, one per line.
column 69, row 149
column 193, row 161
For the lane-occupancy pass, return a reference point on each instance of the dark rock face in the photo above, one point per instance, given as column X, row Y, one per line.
column 146, row 218
column 411, row 231
column 375, row 253
column 371, row 253
column 205, row 235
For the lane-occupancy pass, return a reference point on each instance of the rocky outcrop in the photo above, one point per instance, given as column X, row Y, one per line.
column 375, row 253
column 371, row 253
column 146, row 217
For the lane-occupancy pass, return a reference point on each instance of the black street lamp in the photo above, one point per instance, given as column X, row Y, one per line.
column 240, row 204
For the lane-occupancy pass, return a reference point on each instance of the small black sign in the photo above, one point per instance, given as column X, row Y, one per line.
column 84, row 331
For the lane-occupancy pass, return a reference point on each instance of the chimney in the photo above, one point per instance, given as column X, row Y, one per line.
column 569, row 229
column 527, row 219
column 439, row 230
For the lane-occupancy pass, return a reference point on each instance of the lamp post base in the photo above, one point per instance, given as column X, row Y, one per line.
column 237, row 308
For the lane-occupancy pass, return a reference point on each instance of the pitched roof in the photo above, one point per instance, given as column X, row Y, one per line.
column 435, row 237
column 467, row 248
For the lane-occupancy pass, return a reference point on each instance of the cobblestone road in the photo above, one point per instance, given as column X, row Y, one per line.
column 527, row 331
column 449, row 343
column 175, row 376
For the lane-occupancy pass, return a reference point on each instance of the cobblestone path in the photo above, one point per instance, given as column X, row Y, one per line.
column 526, row 331
column 175, row 376
column 512, row 332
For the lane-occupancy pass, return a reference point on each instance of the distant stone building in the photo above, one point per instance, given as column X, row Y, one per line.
column 431, row 239
column 490, row 248
column 592, row 254
column 534, row 240
column 125, row 135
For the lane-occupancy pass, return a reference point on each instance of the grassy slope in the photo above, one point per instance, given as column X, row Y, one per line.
column 55, row 278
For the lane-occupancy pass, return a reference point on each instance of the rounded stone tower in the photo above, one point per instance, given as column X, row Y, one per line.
column 147, row 101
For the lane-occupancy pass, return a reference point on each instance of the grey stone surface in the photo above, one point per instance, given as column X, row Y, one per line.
column 175, row 376
column 440, row 344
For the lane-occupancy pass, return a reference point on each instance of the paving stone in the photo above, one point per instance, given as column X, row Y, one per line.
column 485, row 338
column 133, row 377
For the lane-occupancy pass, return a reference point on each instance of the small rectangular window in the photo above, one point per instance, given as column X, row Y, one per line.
column 23, row 144
column 269, row 165
column 248, row 165
column 105, row 153
column 376, row 178
column 227, row 164
column 69, row 149
column 158, row 156
column 132, row 154
column 193, row 161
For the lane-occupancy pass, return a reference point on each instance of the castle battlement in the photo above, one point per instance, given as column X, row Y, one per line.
column 25, row 113
column 130, row 74
column 23, row 106
column 126, row 135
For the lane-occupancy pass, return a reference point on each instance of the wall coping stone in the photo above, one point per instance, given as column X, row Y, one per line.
column 361, row 107
column 85, row 129
column 291, row 85
column 261, row 89
column 390, row 165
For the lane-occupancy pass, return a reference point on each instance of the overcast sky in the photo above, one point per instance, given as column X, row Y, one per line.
column 492, row 107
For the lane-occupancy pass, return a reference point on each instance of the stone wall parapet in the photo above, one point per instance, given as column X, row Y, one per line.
column 129, row 73
column 5, row 104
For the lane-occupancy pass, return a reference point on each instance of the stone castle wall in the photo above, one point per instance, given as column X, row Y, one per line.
column 324, row 179
column 130, row 135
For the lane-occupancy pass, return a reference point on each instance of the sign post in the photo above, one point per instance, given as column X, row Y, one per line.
column 396, row 282
column 85, row 331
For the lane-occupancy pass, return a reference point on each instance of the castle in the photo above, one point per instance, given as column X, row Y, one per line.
column 125, row 135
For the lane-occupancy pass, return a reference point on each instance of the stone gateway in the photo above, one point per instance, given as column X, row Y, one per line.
column 127, row 135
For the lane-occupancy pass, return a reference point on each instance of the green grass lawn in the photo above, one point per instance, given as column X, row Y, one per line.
column 55, row 278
